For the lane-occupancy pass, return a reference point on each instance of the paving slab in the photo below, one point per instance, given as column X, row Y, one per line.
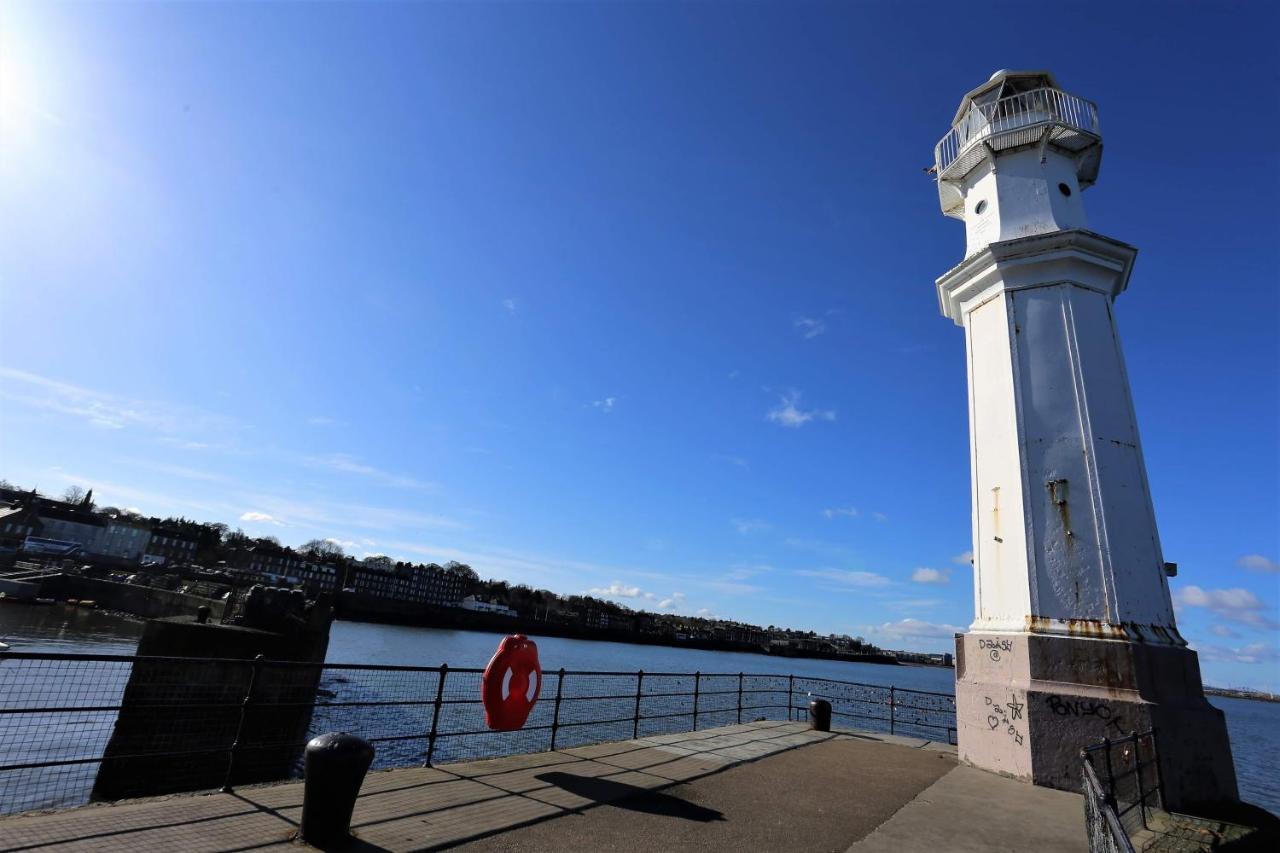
column 972, row 811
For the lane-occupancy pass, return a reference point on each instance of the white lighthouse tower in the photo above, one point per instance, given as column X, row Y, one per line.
column 1074, row 637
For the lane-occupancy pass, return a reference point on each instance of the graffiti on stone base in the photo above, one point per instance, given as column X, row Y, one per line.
column 995, row 647
column 1004, row 715
column 1077, row 707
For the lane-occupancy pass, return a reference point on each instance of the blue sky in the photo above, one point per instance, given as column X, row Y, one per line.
column 629, row 297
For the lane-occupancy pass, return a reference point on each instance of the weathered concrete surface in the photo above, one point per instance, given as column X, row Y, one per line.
column 818, row 798
column 969, row 810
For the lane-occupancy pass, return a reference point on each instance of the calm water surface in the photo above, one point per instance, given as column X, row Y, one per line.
column 1254, row 726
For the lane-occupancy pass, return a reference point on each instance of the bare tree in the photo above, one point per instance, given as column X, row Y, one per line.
column 74, row 494
column 323, row 548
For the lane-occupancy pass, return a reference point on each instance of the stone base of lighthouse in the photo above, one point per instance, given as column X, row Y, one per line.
column 1026, row 704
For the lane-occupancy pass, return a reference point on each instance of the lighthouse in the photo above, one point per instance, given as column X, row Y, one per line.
column 1074, row 637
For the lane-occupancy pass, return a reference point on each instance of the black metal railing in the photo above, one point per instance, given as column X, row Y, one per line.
column 119, row 725
column 1122, row 789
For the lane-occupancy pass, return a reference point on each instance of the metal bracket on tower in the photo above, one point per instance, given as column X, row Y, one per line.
column 1044, row 143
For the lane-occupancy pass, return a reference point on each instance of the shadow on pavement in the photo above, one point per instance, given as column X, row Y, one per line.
column 631, row 797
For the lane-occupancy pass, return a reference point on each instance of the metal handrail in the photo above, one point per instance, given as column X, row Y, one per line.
column 1044, row 106
column 597, row 699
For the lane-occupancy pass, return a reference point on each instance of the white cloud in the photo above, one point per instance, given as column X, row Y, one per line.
column 749, row 525
column 737, row 461
column 617, row 589
column 322, row 421
column 606, row 405
column 788, row 414
column 1258, row 563
column 810, row 328
column 675, row 602
column 704, row 612
column 927, row 575
column 1251, row 653
column 964, row 559
column 345, row 463
column 838, row 511
column 913, row 629
column 1234, row 605
column 846, row 578
column 261, row 518
column 510, row 306
column 879, row 516
column 1222, row 631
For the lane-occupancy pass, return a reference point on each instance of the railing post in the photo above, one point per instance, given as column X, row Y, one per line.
column 1111, row 776
column 244, row 709
column 893, row 709
column 435, row 714
column 555, row 718
column 791, row 698
column 739, row 698
column 635, row 721
column 1155, row 760
column 1137, row 771
column 697, row 680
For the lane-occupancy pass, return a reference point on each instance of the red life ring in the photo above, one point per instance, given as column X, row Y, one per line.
column 511, row 683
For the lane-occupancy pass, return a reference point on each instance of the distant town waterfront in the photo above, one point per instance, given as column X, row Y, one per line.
column 1254, row 726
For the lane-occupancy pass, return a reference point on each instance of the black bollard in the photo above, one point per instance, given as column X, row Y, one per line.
column 202, row 614
column 820, row 715
column 334, row 770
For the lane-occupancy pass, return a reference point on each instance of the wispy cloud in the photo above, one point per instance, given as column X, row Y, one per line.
column 841, row 511
column 846, row 578
column 1258, row 563
column 749, row 525
column 788, row 413
column 964, row 558
column 347, row 464
column 1222, row 631
column 606, row 405
column 906, row 630
column 323, row 421
column 809, row 327
column 103, row 410
column 736, row 461
column 880, row 517
column 1234, row 605
column 933, row 576
column 510, row 305
column 255, row 517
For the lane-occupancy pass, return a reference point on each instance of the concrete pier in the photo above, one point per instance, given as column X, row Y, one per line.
column 757, row 786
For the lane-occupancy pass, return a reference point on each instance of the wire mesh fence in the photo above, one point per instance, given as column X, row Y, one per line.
column 80, row 727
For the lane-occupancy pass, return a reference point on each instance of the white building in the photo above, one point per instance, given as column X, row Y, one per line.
column 123, row 537
column 1074, row 636
column 481, row 606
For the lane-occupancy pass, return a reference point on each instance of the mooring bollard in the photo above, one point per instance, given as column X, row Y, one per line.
column 202, row 614
column 820, row 715
column 335, row 765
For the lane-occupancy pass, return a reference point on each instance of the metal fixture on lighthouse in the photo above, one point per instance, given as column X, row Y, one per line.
column 1074, row 636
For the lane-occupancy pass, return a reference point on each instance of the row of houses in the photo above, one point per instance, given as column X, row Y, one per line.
column 32, row 522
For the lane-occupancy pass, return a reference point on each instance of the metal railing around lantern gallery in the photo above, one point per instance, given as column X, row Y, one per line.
column 1021, row 119
column 120, row 725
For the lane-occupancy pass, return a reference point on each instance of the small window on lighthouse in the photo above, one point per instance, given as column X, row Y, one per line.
column 981, row 208
column 1064, row 189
